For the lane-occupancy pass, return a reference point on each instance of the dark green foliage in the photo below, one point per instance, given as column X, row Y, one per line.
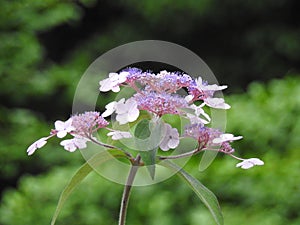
column 267, row 116
column 261, row 195
column 47, row 45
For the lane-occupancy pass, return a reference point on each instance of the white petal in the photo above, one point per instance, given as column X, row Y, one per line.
column 217, row 103
column 61, row 134
column 226, row 137
column 213, row 87
column 117, row 135
column 36, row 145
column 248, row 163
column 173, row 143
column 256, row 161
column 115, row 88
column 59, row 125
column 133, row 114
column 123, row 76
column 171, row 138
column 105, row 85
column 245, row 165
column 72, row 144
column 110, row 108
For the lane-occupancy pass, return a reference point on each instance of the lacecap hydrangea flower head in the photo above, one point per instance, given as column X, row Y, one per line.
column 141, row 119
column 157, row 94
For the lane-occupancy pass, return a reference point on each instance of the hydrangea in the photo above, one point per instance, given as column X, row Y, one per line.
column 171, row 138
column 112, row 83
column 63, row 128
column 249, row 163
column 158, row 94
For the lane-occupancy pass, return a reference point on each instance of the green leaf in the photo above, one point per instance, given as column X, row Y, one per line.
column 204, row 194
column 207, row 158
column 149, row 158
column 142, row 130
column 82, row 173
column 148, row 134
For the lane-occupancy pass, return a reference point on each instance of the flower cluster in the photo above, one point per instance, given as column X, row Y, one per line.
column 81, row 127
column 157, row 94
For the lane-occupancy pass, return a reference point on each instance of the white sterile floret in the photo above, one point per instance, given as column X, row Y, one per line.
column 117, row 135
column 207, row 87
column 63, row 128
column 171, row 138
column 113, row 82
column 217, row 103
column 127, row 112
column 226, row 137
column 72, row 144
column 248, row 163
column 36, row 145
column 194, row 118
column 110, row 108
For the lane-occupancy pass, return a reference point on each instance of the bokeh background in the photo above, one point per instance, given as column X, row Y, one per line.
column 253, row 46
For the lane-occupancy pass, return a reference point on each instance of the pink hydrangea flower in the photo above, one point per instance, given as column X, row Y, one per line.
column 198, row 111
column 113, row 81
column 171, row 138
column 36, row 145
column 206, row 87
column 225, row 138
column 63, row 128
column 72, row 144
column 127, row 112
column 117, row 135
column 217, row 103
column 249, row 163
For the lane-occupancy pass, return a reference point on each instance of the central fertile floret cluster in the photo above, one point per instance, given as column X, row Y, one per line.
column 157, row 94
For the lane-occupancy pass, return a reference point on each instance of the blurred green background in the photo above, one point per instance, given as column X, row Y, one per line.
column 253, row 46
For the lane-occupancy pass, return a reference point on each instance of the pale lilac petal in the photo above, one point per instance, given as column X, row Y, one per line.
column 105, row 85
column 217, row 103
column 36, row 145
column 113, row 81
column 122, row 119
column 207, row 87
column 173, row 143
column 164, row 145
column 133, row 114
column 213, row 87
column 117, row 135
column 198, row 112
column 245, row 165
column 59, row 125
column 115, row 89
column 226, row 137
column 127, row 112
column 171, row 138
column 123, row 76
column 61, row 134
column 110, row 108
column 72, row 144
column 63, row 128
column 121, row 108
column 68, row 145
column 256, row 161
column 248, row 163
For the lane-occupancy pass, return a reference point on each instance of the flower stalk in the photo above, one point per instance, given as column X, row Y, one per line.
column 127, row 189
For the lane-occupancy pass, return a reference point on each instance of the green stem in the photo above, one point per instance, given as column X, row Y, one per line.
column 109, row 146
column 127, row 189
column 191, row 153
